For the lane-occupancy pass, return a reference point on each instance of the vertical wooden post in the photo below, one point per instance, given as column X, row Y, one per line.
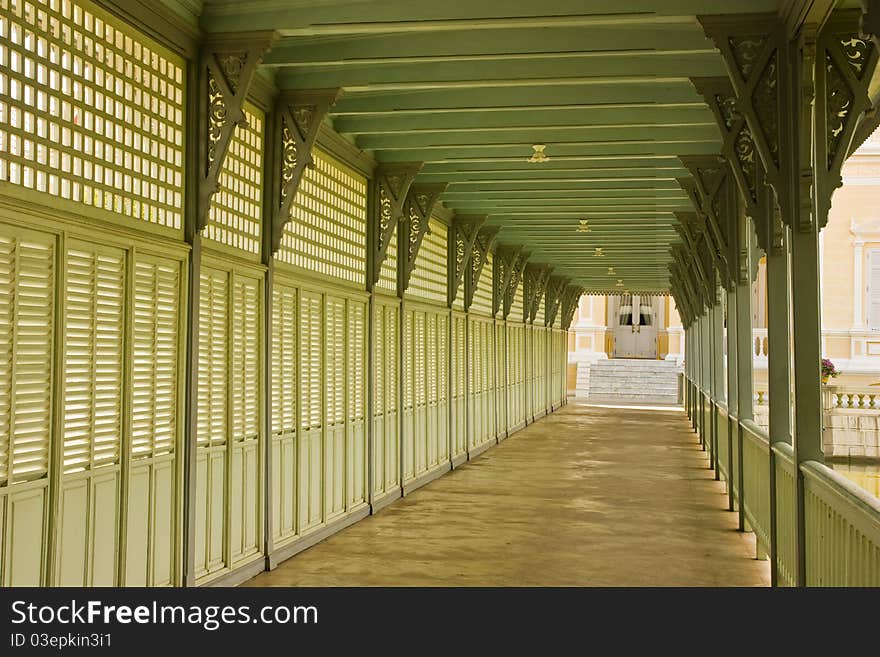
column 191, row 383
column 745, row 349
column 718, row 363
column 779, row 375
column 732, row 389
column 800, row 214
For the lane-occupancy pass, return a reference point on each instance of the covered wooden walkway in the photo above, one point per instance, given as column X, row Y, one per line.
column 588, row 496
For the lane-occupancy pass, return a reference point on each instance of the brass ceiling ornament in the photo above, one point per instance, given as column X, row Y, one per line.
column 584, row 226
column 611, row 271
column 538, row 157
column 599, row 253
column 619, row 283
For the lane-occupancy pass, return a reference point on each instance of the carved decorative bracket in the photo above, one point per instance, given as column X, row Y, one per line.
column 682, row 303
column 751, row 50
column 462, row 236
column 479, row 254
column 502, row 270
column 738, row 146
column 845, row 64
column 818, row 84
column 738, row 149
column 553, row 298
column 534, row 285
column 692, row 242
column 569, row 304
column 684, row 271
column 675, row 288
column 298, row 116
column 228, row 63
column 388, row 191
column 515, row 278
column 711, row 177
column 417, row 208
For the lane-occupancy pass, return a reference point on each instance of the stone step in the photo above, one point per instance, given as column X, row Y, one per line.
column 631, row 381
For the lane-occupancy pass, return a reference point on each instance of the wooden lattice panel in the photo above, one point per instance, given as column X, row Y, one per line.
column 428, row 280
column 235, row 216
column 328, row 222
column 482, row 302
column 90, row 111
column 388, row 271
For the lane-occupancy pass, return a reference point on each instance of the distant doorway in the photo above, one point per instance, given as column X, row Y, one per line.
column 634, row 318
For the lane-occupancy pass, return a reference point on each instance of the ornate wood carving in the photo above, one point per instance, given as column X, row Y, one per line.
column 738, row 148
column 711, row 177
column 845, row 62
column 298, row 116
column 390, row 184
column 479, row 253
column 417, row 207
column 553, row 298
column 692, row 241
column 682, row 264
column 569, row 304
column 502, row 270
column 227, row 67
column 752, row 50
column 515, row 278
column 462, row 235
column 534, row 284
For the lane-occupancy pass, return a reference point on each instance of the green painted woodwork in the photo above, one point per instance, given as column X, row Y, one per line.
column 199, row 406
column 467, row 88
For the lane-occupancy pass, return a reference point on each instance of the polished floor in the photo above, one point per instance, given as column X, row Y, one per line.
column 589, row 496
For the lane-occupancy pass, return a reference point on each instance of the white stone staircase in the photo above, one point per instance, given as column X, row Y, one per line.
column 632, row 381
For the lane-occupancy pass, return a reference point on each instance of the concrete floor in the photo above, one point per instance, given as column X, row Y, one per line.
column 589, row 496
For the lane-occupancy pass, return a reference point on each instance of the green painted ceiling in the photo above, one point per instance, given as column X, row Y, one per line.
column 467, row 86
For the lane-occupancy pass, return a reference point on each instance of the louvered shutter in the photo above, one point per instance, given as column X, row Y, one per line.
column 335, row 376
column 212, row 379
column 443, row 358
column 408, row 360
column 419, row 359
column 431, row 369
column 874, row 289
column 93, row 343
column 379, row 366
column 27, row 302
column 311, row 330
column 356, row 345
column 391, row 358
column 154, row 369
column 245, row 412
column 284, row 387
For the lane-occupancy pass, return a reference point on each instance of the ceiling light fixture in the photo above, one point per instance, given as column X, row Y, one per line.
column 584, row 227
column 538, row 156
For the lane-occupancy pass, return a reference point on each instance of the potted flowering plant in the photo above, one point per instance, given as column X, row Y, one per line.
column 828, row 370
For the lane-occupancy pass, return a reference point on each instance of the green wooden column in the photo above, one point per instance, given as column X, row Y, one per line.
column 732, row 390
column 689, row 372
column 718, row 369
column 706, row 399
column 701, row 378
column 713, row 389
column 779, row 364
column 799, row 214
column 744, row 349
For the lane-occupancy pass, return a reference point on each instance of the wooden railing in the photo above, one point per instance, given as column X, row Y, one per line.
column 841, row 520
column 842, row 528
